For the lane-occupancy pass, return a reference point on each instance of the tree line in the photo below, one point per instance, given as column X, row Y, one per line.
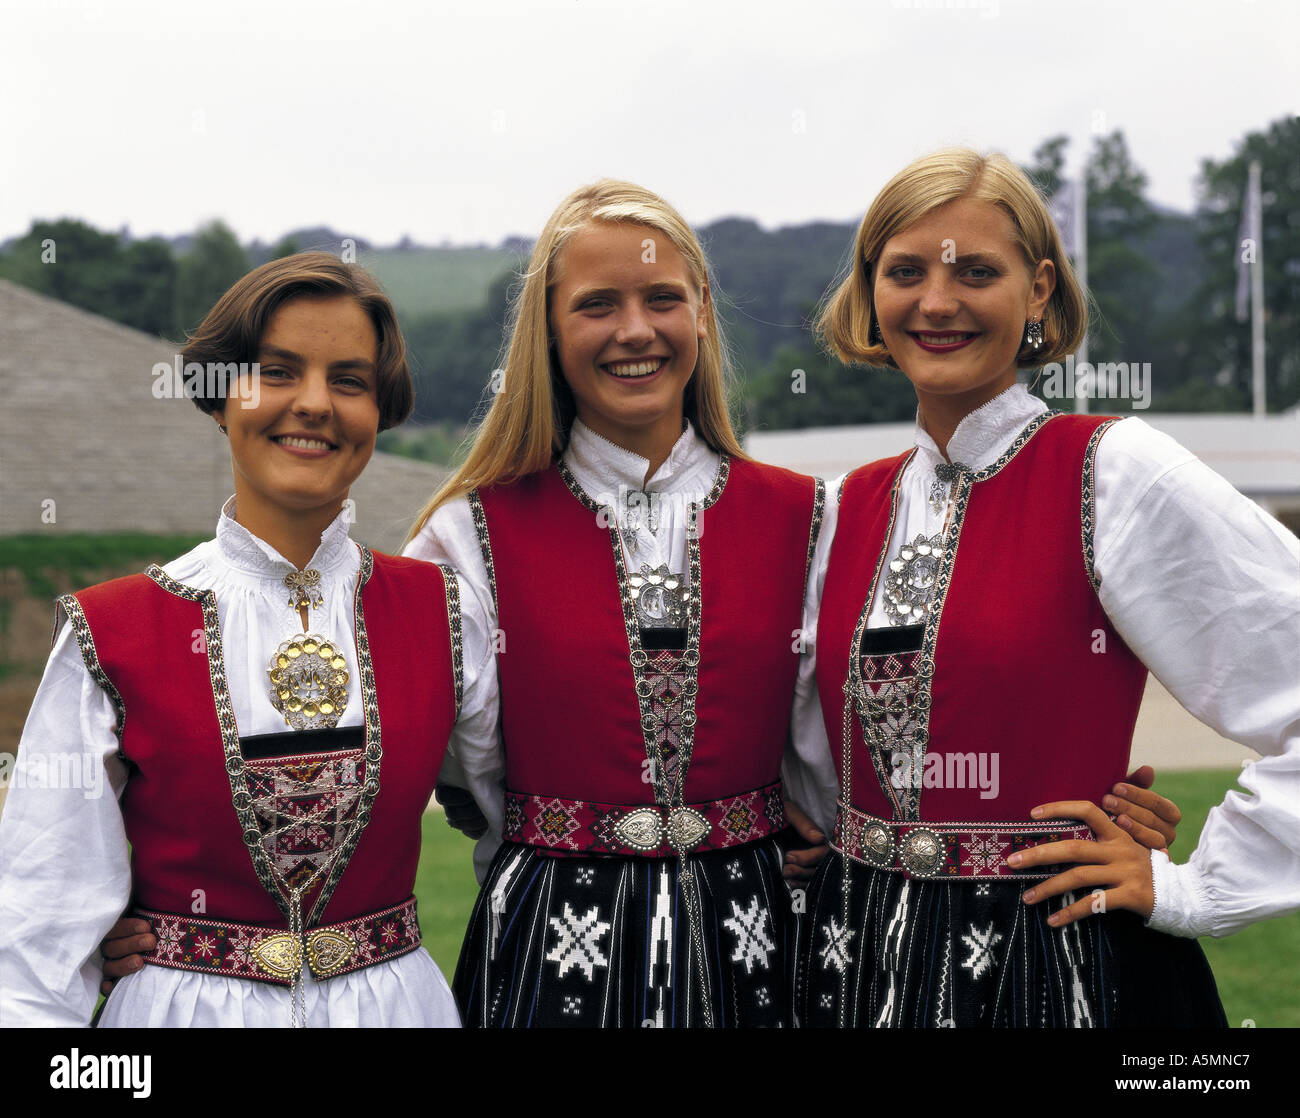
column 1163, row 285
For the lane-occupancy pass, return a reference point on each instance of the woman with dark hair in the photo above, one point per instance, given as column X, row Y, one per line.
column 270, row 712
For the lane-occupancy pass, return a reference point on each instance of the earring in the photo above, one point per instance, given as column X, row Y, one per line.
column 223, row 430
column 1034, row 333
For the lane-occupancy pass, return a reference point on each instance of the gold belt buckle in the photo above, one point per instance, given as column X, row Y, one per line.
column 279, row 955
column 328, row 952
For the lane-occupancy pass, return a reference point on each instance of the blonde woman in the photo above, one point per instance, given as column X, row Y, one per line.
column 646, row 581
column 995, row 597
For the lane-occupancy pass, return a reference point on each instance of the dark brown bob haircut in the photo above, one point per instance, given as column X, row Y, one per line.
column 232, row 330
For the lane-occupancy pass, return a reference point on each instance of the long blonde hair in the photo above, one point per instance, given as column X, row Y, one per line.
column 932, row 181
column 528, row 422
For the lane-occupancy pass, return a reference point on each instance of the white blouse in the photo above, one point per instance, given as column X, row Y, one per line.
column 69, row 841
column 1205, row 588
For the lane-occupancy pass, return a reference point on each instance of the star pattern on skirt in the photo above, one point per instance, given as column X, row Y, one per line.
column 835, row 951
column 579, row 941
column 749, row 926
column 981, row 944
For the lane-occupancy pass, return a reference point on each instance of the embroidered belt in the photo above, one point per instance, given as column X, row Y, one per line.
column 582, row 827
column 268, row 954
column 948, row 850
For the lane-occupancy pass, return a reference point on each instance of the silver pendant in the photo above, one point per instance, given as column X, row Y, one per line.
column 909, row 585
column 642, row 507
column 660, row 598
column 944, row 475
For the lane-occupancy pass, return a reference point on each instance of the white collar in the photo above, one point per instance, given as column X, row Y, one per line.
column 598, row 464
column 984, row 435
column 243, row 551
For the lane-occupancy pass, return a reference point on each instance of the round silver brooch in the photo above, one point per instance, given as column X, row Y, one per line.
column 922, row 853
column 911, row 579
column 660, row 596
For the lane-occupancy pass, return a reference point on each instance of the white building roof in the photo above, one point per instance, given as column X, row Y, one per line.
column 1260, row 457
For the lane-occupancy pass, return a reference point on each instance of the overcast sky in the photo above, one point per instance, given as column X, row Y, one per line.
column 468, row 121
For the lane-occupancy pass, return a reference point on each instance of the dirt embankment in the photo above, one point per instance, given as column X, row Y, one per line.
column 26, row 625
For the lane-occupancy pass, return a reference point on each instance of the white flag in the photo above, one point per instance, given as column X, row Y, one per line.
column 1248, row 234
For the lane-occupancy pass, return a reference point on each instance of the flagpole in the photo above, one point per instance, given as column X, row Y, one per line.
column 1081, row 269
column 1256, row 204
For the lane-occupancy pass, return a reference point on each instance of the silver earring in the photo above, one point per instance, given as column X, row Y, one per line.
column 1034, row 333
column 874, row 336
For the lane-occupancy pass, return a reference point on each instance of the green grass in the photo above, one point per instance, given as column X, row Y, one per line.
column 80, row 557
column 1256, row 969
column 446, row 889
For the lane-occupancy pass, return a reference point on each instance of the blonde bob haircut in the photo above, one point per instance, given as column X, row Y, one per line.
column 845, row 323
column 527, row 425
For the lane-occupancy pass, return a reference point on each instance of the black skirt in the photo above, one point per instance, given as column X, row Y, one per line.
column 602, row 942
column 916, row 953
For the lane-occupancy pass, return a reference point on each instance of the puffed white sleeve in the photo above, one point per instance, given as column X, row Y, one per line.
column 65, row 874
column 1205, row 588
column 475, row 760
column 450, row 537
column 808, row 770
column 475, row 755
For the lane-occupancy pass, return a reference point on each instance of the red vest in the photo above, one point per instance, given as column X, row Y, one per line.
column 177, row 806
column 1015, row 671
column 568, row 706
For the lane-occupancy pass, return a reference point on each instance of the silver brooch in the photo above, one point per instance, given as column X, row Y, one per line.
column 909, row 585
column 660, row 597
column 945, row 473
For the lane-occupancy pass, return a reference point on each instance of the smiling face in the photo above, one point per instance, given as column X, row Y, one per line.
column 627, row 320
column 955, row 325
column 297, row 453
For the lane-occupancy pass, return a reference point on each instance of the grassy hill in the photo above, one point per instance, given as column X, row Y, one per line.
column 421, row 281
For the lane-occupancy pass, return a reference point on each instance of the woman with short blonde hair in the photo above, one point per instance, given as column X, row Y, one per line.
column 846, row 323
column 991, row 604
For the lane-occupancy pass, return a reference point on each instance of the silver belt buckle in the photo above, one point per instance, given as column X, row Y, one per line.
column 687, row 828
column 641, row 829
column 644, row 828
